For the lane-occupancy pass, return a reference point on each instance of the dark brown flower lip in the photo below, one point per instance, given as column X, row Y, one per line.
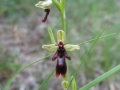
column 60, row 55
column 46, row 16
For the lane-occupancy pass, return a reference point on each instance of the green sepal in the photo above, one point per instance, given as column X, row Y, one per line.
column 70, row 47
column 50, row 47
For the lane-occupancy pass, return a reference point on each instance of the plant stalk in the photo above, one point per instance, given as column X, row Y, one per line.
column 61, row 8
column 63, row 18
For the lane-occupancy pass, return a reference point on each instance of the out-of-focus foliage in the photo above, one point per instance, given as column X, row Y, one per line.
column 14, row 9
column 7, row 64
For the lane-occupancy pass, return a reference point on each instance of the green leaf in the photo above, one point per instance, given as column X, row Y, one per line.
column 101, row 78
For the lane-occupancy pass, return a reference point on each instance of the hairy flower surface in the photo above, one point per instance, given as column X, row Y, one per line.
column 44, row 4
column 61, row 49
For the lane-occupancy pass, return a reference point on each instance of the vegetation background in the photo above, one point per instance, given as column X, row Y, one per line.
column 22, row 34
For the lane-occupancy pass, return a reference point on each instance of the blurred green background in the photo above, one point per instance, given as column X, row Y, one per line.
column 22, row 34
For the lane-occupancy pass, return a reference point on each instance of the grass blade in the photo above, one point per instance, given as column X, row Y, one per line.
column 86, row 55
column 101, row 78
column 40, row 88
column 96, row 38
column 6, row 86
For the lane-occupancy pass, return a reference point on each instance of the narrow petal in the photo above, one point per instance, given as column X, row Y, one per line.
column 47, row 13
column 61, row 36
column 55, row 56
column 51, row 47
column 71, row 47
column 44, row 4
column 67, row 56
column 51, row 36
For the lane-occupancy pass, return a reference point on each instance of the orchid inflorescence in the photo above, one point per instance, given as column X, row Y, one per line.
column 61, row 47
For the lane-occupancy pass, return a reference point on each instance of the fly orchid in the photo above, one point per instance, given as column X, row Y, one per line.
column 44, row 4
column 60, row 50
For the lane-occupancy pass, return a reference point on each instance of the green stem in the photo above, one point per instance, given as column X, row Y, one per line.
column 61, row 8
column 63, row 17
column 64, row 22
column 57, row 4
column 62, row 3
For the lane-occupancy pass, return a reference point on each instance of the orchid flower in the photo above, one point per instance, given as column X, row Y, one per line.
column 44, row 4
column 60, row 48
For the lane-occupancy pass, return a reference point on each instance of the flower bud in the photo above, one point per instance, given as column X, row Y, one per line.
column 65, row 84
column 44, row 4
